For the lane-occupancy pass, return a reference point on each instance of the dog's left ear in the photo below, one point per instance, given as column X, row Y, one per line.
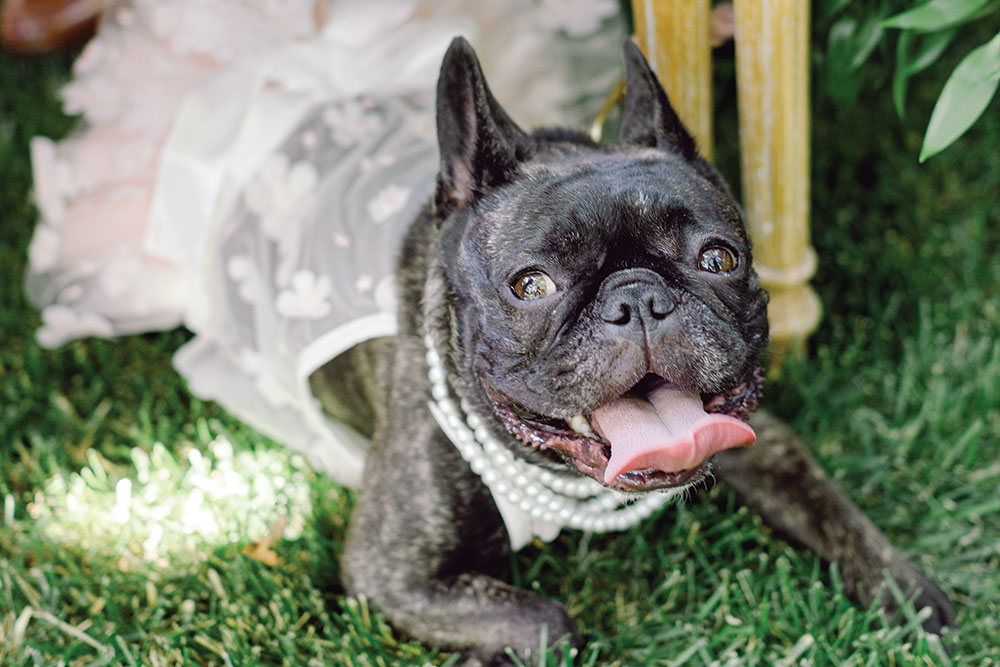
column 649, row 120
column 480, row 145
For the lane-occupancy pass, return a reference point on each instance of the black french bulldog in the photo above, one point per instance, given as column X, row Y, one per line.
column 575, row 292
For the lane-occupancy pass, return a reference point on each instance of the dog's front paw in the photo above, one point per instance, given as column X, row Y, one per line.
column 928, row 595
column 864, row 582
column 541, row 623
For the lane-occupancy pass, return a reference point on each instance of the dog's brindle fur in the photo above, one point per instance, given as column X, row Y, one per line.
column 425, row 534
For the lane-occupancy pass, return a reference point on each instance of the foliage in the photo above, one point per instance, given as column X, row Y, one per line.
column 922, row 34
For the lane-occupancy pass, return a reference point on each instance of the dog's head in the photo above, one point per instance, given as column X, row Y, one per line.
column 602, row 301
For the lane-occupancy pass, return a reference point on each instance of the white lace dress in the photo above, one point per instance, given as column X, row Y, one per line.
column 246, row 168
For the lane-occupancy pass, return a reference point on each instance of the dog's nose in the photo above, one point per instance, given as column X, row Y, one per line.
column 634, row 296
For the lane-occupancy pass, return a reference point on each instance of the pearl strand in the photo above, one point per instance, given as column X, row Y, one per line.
column 575, row 502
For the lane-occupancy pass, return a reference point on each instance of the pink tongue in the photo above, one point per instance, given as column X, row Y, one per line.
column 668, row 430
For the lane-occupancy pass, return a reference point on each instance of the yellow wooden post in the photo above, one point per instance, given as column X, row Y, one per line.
column 674, row 35
column 772, row 69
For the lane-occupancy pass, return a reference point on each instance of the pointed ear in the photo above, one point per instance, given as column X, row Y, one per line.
column 480, row 145
column 649, row 120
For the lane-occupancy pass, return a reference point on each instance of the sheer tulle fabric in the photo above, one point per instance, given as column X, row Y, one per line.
column 246, row 168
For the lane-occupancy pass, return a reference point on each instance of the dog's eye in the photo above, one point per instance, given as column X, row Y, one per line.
column 532, row 285
column 716, row 259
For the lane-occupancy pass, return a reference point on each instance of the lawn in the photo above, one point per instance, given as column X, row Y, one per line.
column 137, row 521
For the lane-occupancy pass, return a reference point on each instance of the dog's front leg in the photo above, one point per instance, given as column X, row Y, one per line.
column 781, row 481
column 423, row 537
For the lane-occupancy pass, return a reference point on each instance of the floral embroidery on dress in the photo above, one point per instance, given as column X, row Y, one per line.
column 389, row 201
column 244, row 273
column 379, row 162
column 351, row 122
column 364, row 283
column 307, row 297
column 276, row 189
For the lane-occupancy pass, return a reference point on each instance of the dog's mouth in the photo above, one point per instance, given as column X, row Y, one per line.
column 656, row 435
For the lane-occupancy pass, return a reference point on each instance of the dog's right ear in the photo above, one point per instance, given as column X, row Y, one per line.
column 480, row 145
column 649, row 119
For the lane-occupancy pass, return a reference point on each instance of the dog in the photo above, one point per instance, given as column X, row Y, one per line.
column 588, row 314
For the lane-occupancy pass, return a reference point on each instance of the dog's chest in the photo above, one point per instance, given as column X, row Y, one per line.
column 532, row 500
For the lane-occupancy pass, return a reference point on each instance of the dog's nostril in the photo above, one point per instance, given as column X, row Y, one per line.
column 660, row 306
column 622, row 312
column 636, row 302
column 623, row 315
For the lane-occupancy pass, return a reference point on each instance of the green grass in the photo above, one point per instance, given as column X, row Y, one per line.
column 900, row 399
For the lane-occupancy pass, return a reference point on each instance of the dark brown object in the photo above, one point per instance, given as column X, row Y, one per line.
column 37, row 26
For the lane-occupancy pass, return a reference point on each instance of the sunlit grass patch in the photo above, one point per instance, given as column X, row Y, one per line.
column 175, row 511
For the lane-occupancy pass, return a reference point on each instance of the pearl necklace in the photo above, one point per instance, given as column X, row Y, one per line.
column 560, row 499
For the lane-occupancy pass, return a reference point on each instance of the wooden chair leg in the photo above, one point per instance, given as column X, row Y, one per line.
column 772, row 67
column 674, row 35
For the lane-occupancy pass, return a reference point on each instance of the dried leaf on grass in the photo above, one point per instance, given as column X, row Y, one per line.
column 261, row 550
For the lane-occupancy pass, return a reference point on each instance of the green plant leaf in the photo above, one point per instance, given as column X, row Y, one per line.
column 931, row 48
column 829, row 8
column 866, row 39
column 850, row 45
column 841, row 81
column 935, row 15
column 965, row 96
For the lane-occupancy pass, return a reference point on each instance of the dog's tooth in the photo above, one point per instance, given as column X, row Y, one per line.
column 580, row 424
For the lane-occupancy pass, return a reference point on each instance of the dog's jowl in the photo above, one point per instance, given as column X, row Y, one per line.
column 579, row 336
